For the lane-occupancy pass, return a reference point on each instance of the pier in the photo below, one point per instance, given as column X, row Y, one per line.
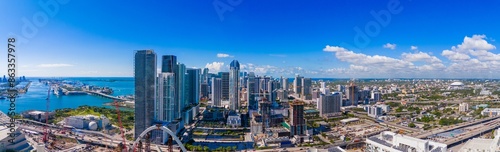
column 105, row 95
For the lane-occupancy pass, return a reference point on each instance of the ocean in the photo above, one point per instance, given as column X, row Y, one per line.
column 35, row 98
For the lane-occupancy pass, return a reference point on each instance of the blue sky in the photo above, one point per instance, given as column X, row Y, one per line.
column 278, row 38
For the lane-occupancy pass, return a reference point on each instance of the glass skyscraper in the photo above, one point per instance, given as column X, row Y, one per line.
column 169, row 65
column 145, row 90
column 193, row 76
column 165, row 104
column 234, row 79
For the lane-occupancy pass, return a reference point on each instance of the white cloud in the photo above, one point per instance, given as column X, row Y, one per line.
column 223, row 55
column 362, row 65
column 215, row 66
column 414, row 48
column 53, row 65
column 420, row 56
column 390, row 46
column 358, row 68
column 455, row 56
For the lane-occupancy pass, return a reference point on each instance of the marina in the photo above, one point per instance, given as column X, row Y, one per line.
column 35, row 98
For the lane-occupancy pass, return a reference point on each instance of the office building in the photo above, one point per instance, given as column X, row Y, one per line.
column 225, row 85
column 376, row 96
column 165, row 104
column 234, row 79
column 193, row 87
column 463, row 107
column 391, row 142
column 297, row 121
column 306, row 89
column 374, row 111
column 297, row 84
column 385, row 108
column 216, row 91
column 251, row 92
column 329, row 104
column 145, row 90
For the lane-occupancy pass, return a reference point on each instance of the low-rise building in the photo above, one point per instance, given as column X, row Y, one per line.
column 349, row 120
column 391, row 142
column 491, row 112
column 37, row 115
column 234, row 120
column 89, row 122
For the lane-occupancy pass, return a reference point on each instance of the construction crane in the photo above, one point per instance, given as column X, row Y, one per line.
column 45, row 128
column 121, row 125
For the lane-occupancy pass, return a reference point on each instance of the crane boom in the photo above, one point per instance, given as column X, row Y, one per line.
column 46, row 130
column 121, row 125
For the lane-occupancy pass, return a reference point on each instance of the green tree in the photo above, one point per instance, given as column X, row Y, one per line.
column 411, row 125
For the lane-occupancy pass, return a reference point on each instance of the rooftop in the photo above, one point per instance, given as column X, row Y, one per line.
column 457, row 84
column 477, row 144
column 349, row 120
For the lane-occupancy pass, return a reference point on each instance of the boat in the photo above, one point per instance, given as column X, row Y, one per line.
column 2, row 98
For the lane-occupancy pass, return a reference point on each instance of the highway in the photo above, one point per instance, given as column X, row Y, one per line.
column 472, row 134
column 423, row 135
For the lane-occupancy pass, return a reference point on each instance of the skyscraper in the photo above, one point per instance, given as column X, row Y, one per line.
column 329, row 103
column 216, row 91
column 353, row 94
column 285, row 84
column 297, row 121
column 234, row 79
column 145, row 90
column 165, row 104
column 205, row 75
column 306, row 89
column 193, row 76
column 251, row 91
column 265, row 111
column 204, row 89
column 297, row 84
column 225, row 85
column 181, row 89
column 169, row 65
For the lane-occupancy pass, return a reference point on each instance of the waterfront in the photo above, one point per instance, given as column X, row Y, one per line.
column 35, row 98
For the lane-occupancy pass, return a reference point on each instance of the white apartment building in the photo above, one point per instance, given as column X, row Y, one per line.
column 463, row 107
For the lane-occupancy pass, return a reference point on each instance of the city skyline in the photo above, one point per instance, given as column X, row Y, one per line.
column 270, row 41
